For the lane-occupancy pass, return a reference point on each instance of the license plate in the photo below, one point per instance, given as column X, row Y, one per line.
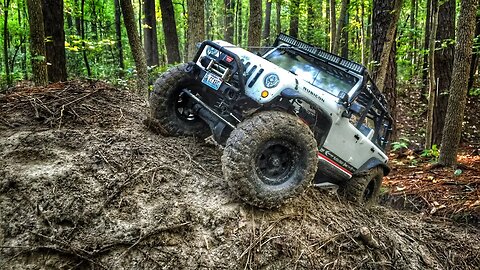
column 212, row 81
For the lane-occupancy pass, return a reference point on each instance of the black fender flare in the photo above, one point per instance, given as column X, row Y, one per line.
column 372, row 163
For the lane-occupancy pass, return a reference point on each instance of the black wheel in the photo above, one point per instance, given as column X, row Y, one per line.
column 172, row 108
column 364, row 188
column 269, row 158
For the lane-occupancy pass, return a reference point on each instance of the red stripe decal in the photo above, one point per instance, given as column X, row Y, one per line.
column 322, row 156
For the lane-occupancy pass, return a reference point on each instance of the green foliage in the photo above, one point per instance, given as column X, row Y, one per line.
column 432, row 153
column 401, row 144
column 474, row 92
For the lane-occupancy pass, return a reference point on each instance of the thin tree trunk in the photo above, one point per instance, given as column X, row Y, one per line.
column 443, row 66
column 93, row 22
column 118, row 32
column 431, row 71
column 255, row 23
column 333, row 26
column 229, row 11
column 150, row 33
column 344, row 33
column 278, row 9
column 170, row 31
column 458, row 88
column 54, row 31
column 135, row 46
column 340, row 25
column 37, row 42
column 426, row 45
column 294, row 13
column 196, row 26
column 476, row 56
column 84, row 47
column 362, row 34
column 266, row 28
column 78, row 21
column 388, row 45
column 140, row 26
column 6, row 38
column 310, row 21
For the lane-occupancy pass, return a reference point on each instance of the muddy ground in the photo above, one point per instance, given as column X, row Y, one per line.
column 85, row 184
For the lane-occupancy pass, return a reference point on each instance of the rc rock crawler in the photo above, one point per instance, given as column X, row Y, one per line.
column 294, row 116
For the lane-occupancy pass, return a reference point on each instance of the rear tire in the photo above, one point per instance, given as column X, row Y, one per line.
column 364, row 188
column 269, row 158
column 172, row 108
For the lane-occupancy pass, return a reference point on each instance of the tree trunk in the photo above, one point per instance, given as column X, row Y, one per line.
column 135, row 45
column 431, row 75
column 294, row 12
column 78, row 21
column 344, row 32
column 383, row 49
column 196, row 27
column 341, row 24
column 310, row 21
column 426, row 45
column 443, row 66
column 387, row 28
column 229, row 11
column 37, row 42
column 333, row 26
column 140, row 25
column 170, row 31
column 118, row 33
column 6, row 38
column 150, row 33
column 255, row 23
column 55, row 34
column 458, row 87
column 476, row 57
column 278, row 9
column 266, row 28
column 84, row 47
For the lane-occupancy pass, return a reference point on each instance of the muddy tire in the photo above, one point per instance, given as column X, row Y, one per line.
column 269, row 158
column 171, row 108
column 364, row 188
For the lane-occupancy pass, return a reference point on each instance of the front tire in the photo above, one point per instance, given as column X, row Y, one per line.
column 172, row 108
column 269, row 158
column 364, row 188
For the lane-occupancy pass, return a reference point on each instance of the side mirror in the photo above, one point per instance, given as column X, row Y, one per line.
column 343, row 99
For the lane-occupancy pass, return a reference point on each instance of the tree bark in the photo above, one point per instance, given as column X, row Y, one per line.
column 278, row 9
column 388, row 30
column 266, row 27
column 229, row 11
column 476, row 57
column 458, row 87
column 135, row 45
column 196, row 26
column 426, row 45
column 383, row 50
column 431, row 75
column 37, row 42
column 294, row 12
column 255, row 23
column 53, row 21
column 333, row 26
column 78, row 21
column 150, row 33
column 340, row 27
column 170, row 31
column 118, row 33
column 443, row 66
column 6, row 38
column 84, row 47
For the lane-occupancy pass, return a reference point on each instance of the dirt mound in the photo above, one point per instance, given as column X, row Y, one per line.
column 94, row 188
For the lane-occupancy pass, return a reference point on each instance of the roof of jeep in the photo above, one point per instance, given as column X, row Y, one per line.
column 321, row 54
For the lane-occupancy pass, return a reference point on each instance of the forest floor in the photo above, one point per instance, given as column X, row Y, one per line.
column 85, row 184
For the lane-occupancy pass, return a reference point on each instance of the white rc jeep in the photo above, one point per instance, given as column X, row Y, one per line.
column 295, row 115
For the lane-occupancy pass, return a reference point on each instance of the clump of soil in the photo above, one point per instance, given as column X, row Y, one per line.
column 83, row 184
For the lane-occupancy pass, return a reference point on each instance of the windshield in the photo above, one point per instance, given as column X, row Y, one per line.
column 318, row 73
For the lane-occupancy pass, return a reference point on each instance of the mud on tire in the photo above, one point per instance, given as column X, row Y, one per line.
column 364, row 188
column 172, row 109
column 269, row 158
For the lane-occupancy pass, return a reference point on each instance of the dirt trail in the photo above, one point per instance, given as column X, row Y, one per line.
column 84, row 184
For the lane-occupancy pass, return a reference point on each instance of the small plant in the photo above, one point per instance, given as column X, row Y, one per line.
column 401, row 144
column 431, row 153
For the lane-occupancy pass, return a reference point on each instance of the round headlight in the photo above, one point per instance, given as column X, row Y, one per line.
column 271, row 80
